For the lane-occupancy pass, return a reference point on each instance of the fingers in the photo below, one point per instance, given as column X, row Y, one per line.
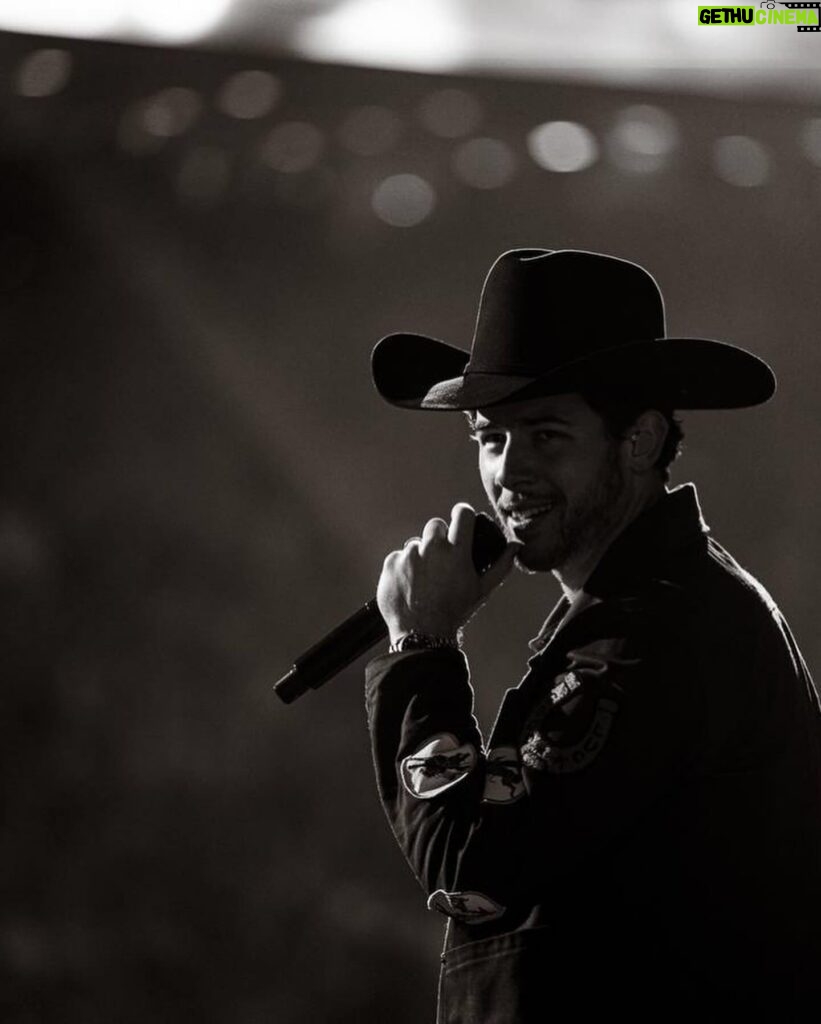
column 435, row 530
column 460, row 531
column 500, row 568
column 431, row 585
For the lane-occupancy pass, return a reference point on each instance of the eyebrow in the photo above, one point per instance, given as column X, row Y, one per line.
column 529, row 421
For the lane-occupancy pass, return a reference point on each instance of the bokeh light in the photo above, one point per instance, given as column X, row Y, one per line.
column 484, row 163
column 170, row 112
column 562, row 146
column 249, row 94
column 43, row 73
column 741, row 161
column 403, row 200
column 643, row 139
column 293, row 146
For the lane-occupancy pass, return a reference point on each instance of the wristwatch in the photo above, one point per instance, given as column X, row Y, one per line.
column 414, row 641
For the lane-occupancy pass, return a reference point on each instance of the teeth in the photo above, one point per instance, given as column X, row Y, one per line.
column 525, row 515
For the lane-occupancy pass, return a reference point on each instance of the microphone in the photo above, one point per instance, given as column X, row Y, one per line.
column 366, row 627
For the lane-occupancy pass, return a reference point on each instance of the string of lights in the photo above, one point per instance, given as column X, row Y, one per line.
column 458, row 138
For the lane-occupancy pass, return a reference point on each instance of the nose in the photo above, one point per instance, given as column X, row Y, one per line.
column 514, row 470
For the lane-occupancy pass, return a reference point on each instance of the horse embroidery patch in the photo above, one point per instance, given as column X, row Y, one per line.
column 439, row 764
column 540, row 754
column 469, row 907
column 503, row 776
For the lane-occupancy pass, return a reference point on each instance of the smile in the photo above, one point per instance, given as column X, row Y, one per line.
column 519, row 518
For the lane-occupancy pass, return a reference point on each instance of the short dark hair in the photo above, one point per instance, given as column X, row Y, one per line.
column 620, row 414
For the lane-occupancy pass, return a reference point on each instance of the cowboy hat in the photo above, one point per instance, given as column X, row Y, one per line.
column 559, row 321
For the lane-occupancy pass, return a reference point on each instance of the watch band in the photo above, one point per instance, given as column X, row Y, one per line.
column 414, row 641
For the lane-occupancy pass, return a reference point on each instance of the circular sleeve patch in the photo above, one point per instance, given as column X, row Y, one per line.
column 503, row 776
column 543, row 753
column 437, row 765
column 469, row 907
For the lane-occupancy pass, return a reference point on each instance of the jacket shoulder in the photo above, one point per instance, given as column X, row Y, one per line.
column 731, row 581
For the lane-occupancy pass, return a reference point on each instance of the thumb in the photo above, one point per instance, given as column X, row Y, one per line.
column 500, row 568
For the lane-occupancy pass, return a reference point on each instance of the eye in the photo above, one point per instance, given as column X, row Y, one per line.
column 489, row 438
column 545, row 434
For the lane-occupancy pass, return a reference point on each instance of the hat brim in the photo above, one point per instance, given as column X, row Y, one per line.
column 413, row 371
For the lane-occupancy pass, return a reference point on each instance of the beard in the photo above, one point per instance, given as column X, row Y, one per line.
column 574, row 526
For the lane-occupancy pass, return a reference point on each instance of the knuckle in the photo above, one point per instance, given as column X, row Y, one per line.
column 461, row 508
column 435, row 531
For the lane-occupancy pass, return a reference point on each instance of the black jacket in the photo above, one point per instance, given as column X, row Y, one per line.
column 642, row 831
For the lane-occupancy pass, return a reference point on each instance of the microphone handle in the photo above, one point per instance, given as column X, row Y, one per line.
column 366, row 627
column 335, row 651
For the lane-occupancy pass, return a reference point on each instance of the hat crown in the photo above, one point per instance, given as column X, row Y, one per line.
column 541, row 308
column 556, row 321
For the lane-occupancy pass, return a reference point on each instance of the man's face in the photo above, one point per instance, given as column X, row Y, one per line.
column 553, row 475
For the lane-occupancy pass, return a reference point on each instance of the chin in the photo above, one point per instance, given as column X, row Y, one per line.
column 532, row 562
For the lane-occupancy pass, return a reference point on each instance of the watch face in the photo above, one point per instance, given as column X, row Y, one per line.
column 412, row 642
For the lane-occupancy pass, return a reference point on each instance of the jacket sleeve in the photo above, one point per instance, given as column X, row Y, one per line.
column 579, row 752
column 431, row 768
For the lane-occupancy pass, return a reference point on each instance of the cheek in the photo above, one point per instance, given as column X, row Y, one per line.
column 574, row 475
column 487, row 475
column 591, row 480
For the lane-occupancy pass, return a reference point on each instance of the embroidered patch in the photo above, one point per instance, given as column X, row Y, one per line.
column 564, row 685
column 438, row 765
column 503, row 776
column 470, row 907
column 540, row 754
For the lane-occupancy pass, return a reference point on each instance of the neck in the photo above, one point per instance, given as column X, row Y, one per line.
column 573, row 575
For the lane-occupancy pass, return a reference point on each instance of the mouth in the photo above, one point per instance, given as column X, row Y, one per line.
column 521, row 517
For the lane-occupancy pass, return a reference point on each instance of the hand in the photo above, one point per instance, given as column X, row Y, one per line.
column 431, row 586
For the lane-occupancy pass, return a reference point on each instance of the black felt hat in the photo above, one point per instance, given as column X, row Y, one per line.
column 558, row 321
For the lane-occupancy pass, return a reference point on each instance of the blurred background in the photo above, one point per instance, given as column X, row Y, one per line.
column 209, row 214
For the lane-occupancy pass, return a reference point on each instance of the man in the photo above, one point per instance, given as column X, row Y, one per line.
column 642, row 830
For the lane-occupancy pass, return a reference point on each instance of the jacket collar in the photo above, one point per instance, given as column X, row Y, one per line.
column 654, row 541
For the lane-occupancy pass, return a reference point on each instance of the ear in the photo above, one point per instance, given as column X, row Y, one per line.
column 645, row 439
